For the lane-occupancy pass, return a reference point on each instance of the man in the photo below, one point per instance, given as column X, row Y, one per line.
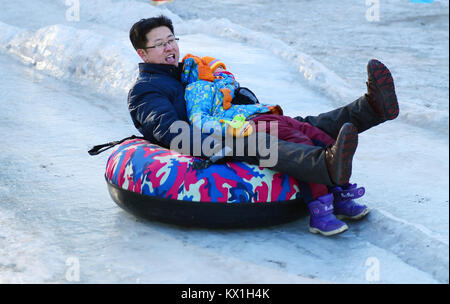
column 156, row 102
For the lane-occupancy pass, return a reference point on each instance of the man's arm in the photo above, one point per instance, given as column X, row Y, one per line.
column 154, row 115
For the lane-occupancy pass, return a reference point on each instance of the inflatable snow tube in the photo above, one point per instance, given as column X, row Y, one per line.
column 159, row 184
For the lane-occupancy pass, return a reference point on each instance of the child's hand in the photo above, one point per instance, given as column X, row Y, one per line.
column 245, row 130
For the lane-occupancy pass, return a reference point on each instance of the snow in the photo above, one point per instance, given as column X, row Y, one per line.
column 64, row 90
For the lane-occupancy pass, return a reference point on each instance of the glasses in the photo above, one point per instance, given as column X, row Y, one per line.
column 161, row 45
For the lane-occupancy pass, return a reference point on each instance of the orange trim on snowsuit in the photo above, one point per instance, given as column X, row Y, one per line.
column 226, row 98
column 204, row 71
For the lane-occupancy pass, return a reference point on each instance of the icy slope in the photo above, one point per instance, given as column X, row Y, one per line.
column 411, row 38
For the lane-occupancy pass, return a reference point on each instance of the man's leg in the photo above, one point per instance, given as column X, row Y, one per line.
column 301, row 161
column 376, row 106
column 359, row 113
column 330, row 166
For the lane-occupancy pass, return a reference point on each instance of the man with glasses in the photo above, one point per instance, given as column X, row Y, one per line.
column 156, row 102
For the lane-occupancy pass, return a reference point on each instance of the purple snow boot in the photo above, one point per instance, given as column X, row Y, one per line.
column 344, row 204
column 322, row 219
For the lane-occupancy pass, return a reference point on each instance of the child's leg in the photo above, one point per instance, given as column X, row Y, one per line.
column 316, row 196
column 319, row 137
column 312, row 191
column 290, row 130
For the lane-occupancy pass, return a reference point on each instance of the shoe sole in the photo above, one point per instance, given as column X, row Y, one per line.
column 355, row 217
column 328, row 233
column 347, row 141
column 385, row 83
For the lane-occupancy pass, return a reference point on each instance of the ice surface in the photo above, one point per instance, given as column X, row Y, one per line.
column 64, row 89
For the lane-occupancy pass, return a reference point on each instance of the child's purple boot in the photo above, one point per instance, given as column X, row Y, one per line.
column 322, row 219
column 344, row 204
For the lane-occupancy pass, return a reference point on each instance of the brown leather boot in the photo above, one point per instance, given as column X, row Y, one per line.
column 381, row 91
column 339, row 156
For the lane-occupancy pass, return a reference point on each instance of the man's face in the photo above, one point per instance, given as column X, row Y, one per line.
column 165, row 53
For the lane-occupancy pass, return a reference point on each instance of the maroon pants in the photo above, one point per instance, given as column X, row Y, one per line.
column 292, row 130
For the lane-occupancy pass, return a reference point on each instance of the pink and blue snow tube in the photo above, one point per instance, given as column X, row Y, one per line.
column 160, row 184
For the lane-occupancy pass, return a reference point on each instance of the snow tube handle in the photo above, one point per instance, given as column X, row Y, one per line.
column 103, row 147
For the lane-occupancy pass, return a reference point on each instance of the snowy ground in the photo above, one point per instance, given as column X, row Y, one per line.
column 64, row 89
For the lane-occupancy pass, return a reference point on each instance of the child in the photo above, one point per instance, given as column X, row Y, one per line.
column 209, row 92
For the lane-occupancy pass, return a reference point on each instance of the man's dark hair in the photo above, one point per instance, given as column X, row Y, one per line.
column 140, row 29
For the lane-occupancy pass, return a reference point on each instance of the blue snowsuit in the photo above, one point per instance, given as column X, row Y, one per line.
column 204, row 100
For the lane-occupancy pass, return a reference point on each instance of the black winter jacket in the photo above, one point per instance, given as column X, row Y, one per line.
column 156, row 101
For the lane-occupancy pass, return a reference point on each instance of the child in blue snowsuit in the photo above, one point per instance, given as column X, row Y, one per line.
column 209, row 91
